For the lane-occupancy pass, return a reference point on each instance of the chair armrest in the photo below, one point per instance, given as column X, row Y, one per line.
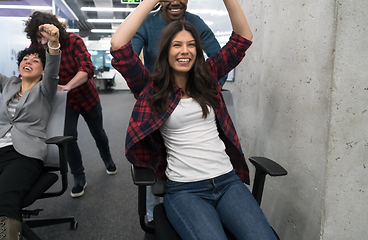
column 264, row 166
column 61, row 142
column 143, row 176
column 268, row 166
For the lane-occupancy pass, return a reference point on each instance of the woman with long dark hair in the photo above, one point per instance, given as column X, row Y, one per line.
column 180, row 127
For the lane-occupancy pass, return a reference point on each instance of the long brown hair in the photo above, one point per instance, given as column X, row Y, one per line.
column 199, row 84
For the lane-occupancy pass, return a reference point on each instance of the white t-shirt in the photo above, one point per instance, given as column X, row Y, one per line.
column 194, row 149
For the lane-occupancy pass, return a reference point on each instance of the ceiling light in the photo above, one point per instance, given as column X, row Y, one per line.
column 105, row 20
column 72, row 30
column 104, row 40
column 103, row 30
column 45, row 8
column 70, row 10
column 212, row 12
column 105, row 9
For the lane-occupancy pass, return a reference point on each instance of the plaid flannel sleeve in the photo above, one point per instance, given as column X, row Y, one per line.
column 83, row 57
column 127, row 62
column 229, row 56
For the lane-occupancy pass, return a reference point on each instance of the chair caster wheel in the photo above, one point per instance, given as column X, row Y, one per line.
column 74, row 225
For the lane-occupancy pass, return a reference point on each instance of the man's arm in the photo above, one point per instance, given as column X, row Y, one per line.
column 85, row 66
column 79, row 79
column 138, row 41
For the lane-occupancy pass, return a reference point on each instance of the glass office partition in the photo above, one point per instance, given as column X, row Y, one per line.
column 101, row 60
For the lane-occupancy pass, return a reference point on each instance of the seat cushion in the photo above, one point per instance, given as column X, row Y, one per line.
column 44, row 182
column 163, row 228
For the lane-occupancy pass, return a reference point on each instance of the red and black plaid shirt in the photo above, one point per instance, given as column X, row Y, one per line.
column 144, row 145
column 75, row 58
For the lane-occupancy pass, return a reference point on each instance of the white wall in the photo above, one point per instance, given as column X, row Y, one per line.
column 12, row 41
column 301, row 97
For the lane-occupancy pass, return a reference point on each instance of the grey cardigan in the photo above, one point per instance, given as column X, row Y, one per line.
column 28, row 127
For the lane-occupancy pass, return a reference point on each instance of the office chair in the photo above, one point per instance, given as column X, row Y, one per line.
column 55, row 165
column 162, row 229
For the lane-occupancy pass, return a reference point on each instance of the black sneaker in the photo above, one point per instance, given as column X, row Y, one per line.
column 110, row 167
column 78, row 189
column 151, row 223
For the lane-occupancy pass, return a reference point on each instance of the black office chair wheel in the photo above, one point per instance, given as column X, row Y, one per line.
column 74, row 225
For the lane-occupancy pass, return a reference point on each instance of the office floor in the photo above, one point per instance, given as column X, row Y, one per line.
column 108, row 209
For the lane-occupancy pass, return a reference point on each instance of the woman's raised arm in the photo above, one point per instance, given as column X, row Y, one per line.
column 129, row 27
column 237, row 19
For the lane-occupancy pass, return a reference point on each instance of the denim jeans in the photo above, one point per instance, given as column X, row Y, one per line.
column 199, row 210
column 93, row 119
column 151, row 202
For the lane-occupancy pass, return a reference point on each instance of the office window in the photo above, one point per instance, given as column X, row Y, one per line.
column 101, row 60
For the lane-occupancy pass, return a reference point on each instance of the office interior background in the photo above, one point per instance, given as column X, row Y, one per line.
column 301, row 98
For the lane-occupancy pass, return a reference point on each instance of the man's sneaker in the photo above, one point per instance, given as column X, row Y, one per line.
column 151, row 223
column 110, row 167
column 78, row 189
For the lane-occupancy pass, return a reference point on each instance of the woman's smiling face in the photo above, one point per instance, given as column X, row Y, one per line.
column 182, row 52
column 31, row 67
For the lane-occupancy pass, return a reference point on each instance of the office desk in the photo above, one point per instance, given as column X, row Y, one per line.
column 105, row 80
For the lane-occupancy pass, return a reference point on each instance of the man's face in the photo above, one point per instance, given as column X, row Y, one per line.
column 42, row 40
column 173, row 10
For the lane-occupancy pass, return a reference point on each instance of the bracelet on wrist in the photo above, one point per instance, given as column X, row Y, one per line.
column 57, row 48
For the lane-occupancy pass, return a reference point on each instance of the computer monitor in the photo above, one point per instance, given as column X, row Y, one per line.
column 131, row 1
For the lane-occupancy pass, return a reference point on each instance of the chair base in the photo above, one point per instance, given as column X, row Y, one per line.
column 149, row 236
column 27, row 224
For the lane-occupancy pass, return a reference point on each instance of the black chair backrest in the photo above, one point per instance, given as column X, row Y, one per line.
column 55, row 127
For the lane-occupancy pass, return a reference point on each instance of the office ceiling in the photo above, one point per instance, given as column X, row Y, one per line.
column 212, row 12
column 71, row 11
column 85, row 27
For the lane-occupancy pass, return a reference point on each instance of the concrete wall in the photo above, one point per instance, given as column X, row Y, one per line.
column 301, row 97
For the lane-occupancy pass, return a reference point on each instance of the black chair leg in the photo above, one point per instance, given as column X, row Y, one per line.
column 28, row 233
column 27, row 224
column 41, row 222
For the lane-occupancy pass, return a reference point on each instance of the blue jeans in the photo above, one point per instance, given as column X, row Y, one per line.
column 93, row 119
column 151, row 202
column 199, row 210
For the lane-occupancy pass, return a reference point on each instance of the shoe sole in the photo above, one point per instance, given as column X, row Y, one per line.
column 75, row 195
column 111, row 173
